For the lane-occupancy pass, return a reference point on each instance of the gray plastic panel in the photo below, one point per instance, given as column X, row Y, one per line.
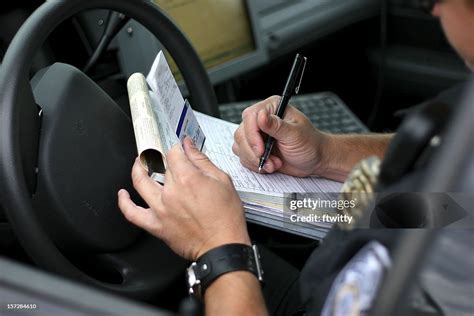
column 295, row 23
column 55, row 296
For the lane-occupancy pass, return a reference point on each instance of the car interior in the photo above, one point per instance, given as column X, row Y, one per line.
column 67, row 144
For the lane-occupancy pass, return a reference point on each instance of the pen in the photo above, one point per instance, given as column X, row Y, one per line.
column 292, row 86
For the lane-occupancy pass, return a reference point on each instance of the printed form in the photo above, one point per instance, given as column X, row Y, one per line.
column 161, row 117
column 220, row 136
column 175, row 113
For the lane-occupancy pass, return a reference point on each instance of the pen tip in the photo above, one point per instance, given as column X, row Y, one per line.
column 259, row 169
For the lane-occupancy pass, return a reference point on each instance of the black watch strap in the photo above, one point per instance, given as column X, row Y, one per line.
column 225, row 259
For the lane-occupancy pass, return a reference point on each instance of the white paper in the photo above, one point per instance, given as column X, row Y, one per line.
column 220, row 136
column 148, row 134
column 168, row 99
column 165, row 130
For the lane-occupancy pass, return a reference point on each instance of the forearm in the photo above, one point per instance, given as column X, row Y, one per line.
column 236, row 293
column 342, row 152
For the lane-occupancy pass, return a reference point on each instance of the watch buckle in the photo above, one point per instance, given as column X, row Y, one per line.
column 193, row 282
column 257, row 263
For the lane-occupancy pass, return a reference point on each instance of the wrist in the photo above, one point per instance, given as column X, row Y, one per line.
column 333, row 155
column 324, row 144
column 235, row 293
column 231, row 280
column 228, row 258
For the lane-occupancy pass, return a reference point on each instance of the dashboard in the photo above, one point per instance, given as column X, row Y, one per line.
column 278, row 27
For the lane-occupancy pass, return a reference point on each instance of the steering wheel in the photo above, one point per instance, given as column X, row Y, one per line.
column 60, row 170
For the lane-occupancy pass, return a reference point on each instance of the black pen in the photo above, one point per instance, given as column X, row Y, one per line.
column 292, row 87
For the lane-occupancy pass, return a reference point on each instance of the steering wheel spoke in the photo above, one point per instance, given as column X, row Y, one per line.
column 141, row 270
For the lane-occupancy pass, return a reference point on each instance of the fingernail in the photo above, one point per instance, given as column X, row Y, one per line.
column 189, row 141
column 267, row 168
column 255, row 149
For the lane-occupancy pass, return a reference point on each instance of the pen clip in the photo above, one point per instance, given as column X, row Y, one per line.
column 303, row 67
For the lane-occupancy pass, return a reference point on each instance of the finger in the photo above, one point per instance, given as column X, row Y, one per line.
column 252, row 134
column 246, row 156
column 169, row 180
column 277, row 162
column 270, row 104
column 251, row 128
column 269, row 165
column 246, row 153
column 273, row 125
column 250, row 164
column 239, row 134
column 179, row 164
column 200, row 160
column 236, row 149
column 243, row 160
column 144, row 218
column 272, row 164
column 145, row 186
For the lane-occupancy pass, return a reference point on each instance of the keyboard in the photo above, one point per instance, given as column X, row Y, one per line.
column 325, row 110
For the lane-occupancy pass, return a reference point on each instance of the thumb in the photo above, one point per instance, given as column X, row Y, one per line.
column 196, row 157
column 272, row 125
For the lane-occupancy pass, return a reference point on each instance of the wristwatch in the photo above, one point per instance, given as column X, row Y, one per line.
column 221, row 260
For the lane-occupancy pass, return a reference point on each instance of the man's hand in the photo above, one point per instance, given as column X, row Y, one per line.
column 196, row 209
column 297, row 149
column 300, row 149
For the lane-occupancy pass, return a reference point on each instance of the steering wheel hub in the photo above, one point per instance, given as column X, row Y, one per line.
column 87, row 147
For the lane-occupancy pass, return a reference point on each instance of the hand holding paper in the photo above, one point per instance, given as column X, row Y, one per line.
column 196, row 210
column 161, row 117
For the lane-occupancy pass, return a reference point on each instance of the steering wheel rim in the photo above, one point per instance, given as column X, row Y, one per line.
column 15, row 93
